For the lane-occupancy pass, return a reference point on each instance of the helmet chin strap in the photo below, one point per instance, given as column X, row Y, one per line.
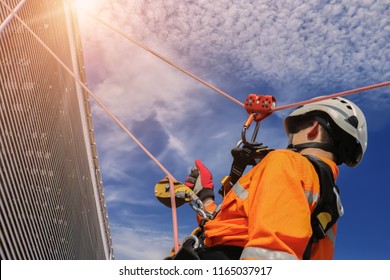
column 326, row 147
column 317, row 145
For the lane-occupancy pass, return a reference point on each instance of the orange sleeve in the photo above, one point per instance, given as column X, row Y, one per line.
column 278, row 211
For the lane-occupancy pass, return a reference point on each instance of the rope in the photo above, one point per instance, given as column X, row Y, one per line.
column 334, row 95
column 105, row 108
column 158, row 55
column 128, row 37
column 9, row 18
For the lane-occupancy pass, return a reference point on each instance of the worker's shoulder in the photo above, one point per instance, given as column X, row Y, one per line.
column 289, row 163
column 284, row 158
column 289, row 159
column 283, row 154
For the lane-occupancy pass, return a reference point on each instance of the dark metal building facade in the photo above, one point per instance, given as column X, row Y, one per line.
column 51, row 194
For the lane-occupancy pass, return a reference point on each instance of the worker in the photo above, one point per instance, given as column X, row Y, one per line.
column 267, row 214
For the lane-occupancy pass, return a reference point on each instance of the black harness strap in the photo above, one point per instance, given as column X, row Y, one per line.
column 242, row 157
column 328, row 208
column 187, row 251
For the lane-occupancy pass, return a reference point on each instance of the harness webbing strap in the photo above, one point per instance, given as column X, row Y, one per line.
column 327, row 211
column 242, row 157
column 187, row 251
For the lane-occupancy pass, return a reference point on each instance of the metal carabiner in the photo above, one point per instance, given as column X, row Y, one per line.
column 200, row 207
column 192, row 237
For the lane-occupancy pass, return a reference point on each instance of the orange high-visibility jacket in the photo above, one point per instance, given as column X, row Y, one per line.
column 267, row 212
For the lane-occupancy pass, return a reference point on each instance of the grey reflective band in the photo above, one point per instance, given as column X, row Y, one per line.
column 332, row 236
column 340, row 207
column 240, row 191
column 311, row 197
column 265, row 254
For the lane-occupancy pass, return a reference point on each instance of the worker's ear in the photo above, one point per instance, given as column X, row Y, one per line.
column 313, row 131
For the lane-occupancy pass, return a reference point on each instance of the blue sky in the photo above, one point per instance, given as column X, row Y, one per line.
column 293, row 50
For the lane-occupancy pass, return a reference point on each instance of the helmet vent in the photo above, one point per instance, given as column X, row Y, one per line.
column 353, row 120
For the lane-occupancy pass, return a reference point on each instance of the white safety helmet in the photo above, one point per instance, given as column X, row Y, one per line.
column 345, row 122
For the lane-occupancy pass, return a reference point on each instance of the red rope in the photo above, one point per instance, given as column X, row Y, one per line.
column 128, row 37
column 339, row 94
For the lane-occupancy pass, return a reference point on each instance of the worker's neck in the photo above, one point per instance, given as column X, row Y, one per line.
column 318, row 153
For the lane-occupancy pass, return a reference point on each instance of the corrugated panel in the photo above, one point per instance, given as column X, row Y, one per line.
column 48, row 194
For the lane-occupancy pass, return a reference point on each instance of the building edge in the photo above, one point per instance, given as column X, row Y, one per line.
column 87, row 123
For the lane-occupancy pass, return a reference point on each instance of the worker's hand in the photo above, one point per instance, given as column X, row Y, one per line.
column 200, row 181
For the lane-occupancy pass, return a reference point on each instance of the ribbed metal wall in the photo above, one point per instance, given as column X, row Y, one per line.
column 52, row 203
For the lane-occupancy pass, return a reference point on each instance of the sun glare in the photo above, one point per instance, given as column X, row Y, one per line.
column 90, row 6
column 86, row 6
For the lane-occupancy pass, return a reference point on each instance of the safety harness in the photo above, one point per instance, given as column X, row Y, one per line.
column 325, row 215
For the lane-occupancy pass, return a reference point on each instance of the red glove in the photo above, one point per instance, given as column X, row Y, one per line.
column 200, row 180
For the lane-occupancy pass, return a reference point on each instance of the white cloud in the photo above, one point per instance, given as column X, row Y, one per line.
column 140, row 244
column 300, row 41
column 128, row 194
column 300, row 48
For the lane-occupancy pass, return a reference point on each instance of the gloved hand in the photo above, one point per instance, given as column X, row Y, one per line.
column 200, row 181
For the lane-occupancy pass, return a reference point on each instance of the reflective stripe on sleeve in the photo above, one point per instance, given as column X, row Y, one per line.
column 240, row 191
column 311, row 197
column 332, row 236
column 265, row 254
